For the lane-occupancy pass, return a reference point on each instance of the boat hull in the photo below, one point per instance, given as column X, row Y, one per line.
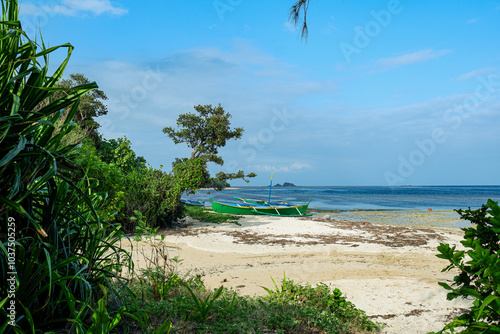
column 263, row 202
column 255, row 209
column 188, row 202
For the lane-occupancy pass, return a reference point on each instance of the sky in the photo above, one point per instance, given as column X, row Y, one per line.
column 381, row 93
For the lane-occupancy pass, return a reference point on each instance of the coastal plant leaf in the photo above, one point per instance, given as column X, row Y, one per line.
column 14, row 151
column 485, row 303
column 478, row 278
column 164, row 328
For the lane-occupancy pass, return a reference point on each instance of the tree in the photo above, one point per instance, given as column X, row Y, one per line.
column 119, row 152
column 91, row 106
column 205, row 132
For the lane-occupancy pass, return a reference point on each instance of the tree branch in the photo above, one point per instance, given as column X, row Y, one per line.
column 295, row 16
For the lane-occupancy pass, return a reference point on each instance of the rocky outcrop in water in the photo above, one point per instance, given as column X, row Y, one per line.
column 286, row 184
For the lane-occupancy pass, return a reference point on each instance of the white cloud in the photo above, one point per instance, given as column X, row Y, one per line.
column 295, row 166
column 256, row 88
column 73, row 8
column 410, row 58
column 476, row 73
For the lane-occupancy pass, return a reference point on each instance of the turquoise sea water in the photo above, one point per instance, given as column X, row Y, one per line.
column 405, row 205
column 367, row 198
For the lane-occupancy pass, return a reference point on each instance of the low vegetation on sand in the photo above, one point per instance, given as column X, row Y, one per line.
column 68, row 196
column 291, row 308
column 203, row 215
column 167, row 297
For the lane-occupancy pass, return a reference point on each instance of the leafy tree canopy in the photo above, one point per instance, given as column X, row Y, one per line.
column 119, row 152
column 205, row 132
column 91, row 106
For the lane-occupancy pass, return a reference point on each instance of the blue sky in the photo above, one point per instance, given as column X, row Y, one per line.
column 382, row 93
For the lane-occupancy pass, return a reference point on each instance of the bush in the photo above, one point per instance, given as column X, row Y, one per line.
column 59, row 251
column 207, row 216
column 478, row 269
column 130, row 186
column 154, row 193
column 292, row 308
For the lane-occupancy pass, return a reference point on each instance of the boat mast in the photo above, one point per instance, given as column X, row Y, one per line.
column 270, row 186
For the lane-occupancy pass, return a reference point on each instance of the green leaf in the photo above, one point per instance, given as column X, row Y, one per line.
column 14, row 151
column 446, row 286
column 164, row 328
column 486, row 302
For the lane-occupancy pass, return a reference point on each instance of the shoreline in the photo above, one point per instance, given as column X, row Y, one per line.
column 390, row 272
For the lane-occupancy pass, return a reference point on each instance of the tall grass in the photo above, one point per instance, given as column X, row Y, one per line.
column 64, row 252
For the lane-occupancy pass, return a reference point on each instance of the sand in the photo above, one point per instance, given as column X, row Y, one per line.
column 391, row 272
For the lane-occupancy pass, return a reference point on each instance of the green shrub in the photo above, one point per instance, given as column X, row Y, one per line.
column 64, row 251
column 109, row 178
column 154, row 194
column 130, row 186
column 292, row 308
column 478, row 270
column 317, row 306
column 206, row 216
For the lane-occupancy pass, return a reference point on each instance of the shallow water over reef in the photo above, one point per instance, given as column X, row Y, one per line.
column 415, row 218
column 403, row 205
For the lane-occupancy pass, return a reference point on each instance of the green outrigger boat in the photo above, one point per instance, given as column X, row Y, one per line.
column 244, row 208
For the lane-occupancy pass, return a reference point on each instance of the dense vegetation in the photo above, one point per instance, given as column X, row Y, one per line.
column 289, row 308
column 67, row 196
column 478, row 271
column 59, row 257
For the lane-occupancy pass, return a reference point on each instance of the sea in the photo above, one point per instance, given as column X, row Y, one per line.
column 351, row 202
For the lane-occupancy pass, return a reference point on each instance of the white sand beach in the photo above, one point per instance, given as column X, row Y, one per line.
column 391, row 272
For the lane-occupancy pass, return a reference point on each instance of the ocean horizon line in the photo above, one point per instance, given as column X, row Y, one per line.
column 357, row 186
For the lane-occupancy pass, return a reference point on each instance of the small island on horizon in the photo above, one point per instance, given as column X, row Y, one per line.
column 286, row 184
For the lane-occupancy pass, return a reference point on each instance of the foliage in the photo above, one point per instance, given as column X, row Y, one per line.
column 102, row 321
column 109, row 177
column 204, row 307
column 63, row 249
column 478, row 269
column 298, row 12
column 219, row 184
column 205, row 133
column 337, row 311
column 299, row 309
column 141, row 228
column 160, row 274
column 191, row 174
column 91, row 105
column 209, row 217
column 152, row 192
column 119, row 152
column 161, row 281
column 130, row 185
